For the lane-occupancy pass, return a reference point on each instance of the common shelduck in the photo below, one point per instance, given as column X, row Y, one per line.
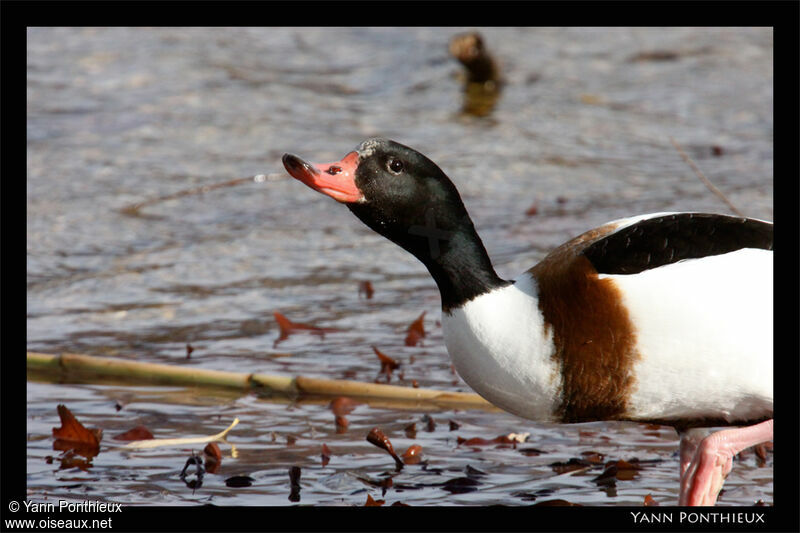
column 663, row 318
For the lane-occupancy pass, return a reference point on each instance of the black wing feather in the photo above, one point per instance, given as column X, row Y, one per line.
column 662, row 240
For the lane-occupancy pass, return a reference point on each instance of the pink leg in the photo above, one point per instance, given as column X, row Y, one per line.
column 702, row 478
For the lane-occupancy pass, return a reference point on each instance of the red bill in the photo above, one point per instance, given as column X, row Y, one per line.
column 337, row 180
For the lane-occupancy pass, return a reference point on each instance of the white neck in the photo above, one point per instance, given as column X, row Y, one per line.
column 500, row 346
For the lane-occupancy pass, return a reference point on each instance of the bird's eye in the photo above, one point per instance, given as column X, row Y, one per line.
column 396, row 166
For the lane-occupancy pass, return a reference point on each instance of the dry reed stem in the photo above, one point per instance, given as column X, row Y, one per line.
column 88, row 365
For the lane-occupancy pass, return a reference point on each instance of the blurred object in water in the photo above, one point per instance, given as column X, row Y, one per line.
column 482, row 84
column 469, row 49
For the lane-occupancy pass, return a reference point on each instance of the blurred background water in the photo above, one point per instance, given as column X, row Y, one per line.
column 579, row 135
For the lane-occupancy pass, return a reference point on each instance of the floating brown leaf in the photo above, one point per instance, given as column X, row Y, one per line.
column 649, row 501
column 593, row 457
column 412, row 455
column 213, row 457
column 617, row 470
column 326, row 455
column 627, row 471
column 608, row 477
column 365, row 288
column 72, row 435
column 371, row 502
column 533, row 209
column 500, row 441
column 137, row 433
column 416, row 331
column 379, row 439
column 410, row 430
column 453, row 425
column 382, row 483
column 570, row 466
column 387, row 363
column 212, row 451
column 343, row 405
column 287, row 327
